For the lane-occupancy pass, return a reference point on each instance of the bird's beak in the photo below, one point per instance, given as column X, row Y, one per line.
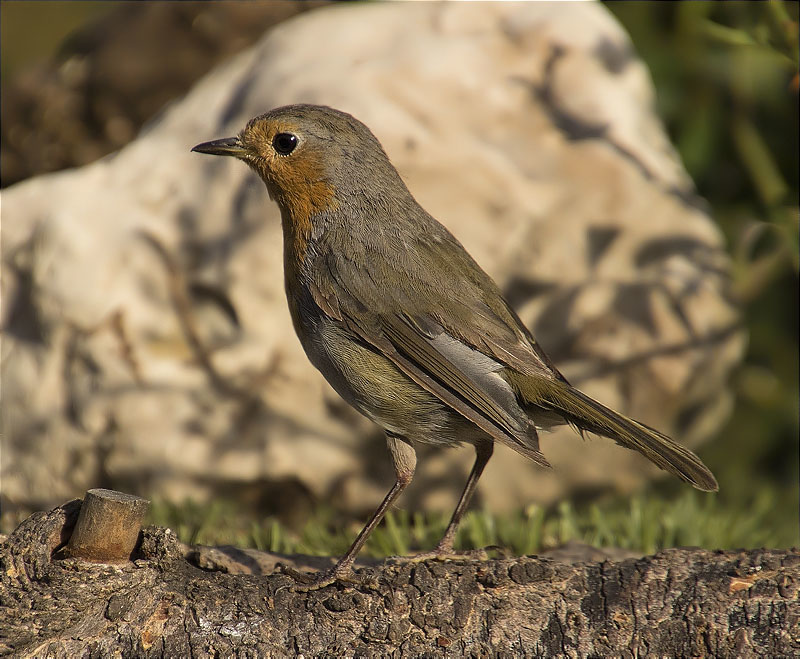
column 227, row 146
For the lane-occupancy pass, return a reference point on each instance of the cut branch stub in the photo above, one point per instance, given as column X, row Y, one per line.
column 108, row 526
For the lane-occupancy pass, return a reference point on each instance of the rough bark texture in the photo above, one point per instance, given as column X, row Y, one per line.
column 678, row 603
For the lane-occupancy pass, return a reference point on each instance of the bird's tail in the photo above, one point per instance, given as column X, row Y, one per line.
column 585, row 413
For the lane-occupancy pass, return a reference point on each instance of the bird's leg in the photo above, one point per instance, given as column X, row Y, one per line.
column 483, row 451
column 443, row 550
column 404, row 459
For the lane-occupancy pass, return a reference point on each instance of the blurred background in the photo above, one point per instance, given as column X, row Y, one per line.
column 726, row 76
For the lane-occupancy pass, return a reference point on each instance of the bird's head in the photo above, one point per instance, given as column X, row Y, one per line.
column 311, row 157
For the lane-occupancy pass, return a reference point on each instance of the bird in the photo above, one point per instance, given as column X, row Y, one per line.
column 401, row 320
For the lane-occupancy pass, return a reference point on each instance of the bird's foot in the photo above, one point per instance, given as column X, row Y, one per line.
column 307, row 582
column 446, row 554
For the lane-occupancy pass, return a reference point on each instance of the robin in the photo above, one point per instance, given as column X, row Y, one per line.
column 400, row 319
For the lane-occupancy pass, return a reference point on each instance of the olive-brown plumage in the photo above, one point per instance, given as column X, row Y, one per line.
column 401, row 320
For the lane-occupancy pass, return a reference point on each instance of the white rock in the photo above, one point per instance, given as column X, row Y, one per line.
column 526, row 128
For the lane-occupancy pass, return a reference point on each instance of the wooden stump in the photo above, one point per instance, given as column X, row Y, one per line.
column 108, row 526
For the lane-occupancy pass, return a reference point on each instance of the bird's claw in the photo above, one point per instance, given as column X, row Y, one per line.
column 307, row 582
column 447, row 554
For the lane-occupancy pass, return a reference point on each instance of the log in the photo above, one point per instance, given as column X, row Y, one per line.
column 677, row 603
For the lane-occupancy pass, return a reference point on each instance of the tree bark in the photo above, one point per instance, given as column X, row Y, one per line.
column 677, row 603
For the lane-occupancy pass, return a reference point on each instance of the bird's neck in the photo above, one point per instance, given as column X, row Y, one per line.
column 296, row 239
column 298, row 210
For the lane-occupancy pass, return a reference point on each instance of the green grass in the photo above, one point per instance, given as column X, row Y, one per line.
column 645, row 522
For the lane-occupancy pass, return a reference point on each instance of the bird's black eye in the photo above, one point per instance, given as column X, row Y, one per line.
column 284, row 143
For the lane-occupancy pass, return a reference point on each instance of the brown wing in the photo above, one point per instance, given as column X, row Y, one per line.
column 453, row 344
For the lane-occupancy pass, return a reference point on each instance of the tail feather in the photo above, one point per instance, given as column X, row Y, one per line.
column 585, row 413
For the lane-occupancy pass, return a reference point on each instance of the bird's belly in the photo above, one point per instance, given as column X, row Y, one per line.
column 378, row 389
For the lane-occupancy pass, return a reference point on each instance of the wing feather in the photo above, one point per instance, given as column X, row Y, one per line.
column 453, row 343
